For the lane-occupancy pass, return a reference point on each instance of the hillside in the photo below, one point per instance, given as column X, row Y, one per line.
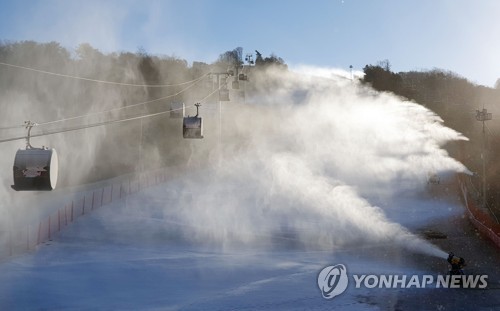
column 456, row 100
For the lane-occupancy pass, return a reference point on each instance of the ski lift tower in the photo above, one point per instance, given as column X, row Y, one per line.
column 224, row 75
column 483, row 116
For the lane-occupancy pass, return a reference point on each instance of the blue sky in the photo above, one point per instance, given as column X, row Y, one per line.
column 458, row 35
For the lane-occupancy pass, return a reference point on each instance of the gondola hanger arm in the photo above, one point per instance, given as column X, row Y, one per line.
column 29, row 125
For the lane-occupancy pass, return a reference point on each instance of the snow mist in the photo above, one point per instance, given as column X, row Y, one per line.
column 302, row 162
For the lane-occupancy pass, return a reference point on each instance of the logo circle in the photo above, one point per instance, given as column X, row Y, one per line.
column 332, row 281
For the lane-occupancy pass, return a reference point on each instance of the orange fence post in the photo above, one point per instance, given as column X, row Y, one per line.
column 83, row 207
column 10, row 242
column 28, row 237
column 39, row 233
column 49, row 229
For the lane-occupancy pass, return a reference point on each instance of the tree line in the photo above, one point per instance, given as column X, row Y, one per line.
column 455, row 100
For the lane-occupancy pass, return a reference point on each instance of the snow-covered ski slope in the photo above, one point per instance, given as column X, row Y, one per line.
column 139, row 253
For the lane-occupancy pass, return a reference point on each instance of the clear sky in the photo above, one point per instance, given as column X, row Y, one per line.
column 458, row 35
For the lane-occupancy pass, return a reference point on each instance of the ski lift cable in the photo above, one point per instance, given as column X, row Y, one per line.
column 213, row 92
column 121, row 108
column 77, row 128
column 85, row 126
column 96, row 80
column 200, row 100
column 194, row 82
column 11, row 127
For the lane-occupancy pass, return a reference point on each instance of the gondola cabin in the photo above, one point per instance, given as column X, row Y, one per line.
column 192, row 127
column 224, row 95
column 177, row 110
column 35, row 169
column 242, row 77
